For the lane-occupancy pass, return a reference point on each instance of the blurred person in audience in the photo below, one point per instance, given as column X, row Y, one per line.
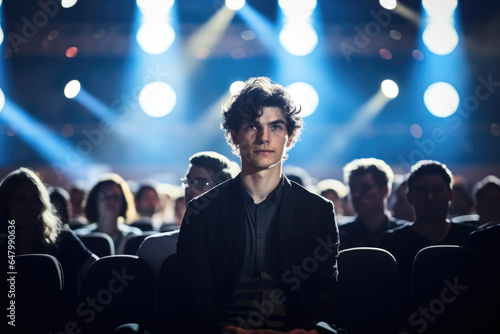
column 239, row 242
column 25, row 201
column 206, row 170
column 77, row 194
column 335, row 191
column 60, row 200
column 108, row 205
column 298, row 175
column 487, row 197
column 462, row 207
column 369, row 182
column 147, row 204
column 430, row 193
column 398, row 203
column 179, row 209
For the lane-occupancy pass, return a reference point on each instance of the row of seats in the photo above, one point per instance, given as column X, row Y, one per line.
column 448, row 292
column 102, row 245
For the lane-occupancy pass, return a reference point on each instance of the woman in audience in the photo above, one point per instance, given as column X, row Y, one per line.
column 25, row 203
column 108, row 205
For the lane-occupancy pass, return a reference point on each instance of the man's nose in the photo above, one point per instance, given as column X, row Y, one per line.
column 263, row 135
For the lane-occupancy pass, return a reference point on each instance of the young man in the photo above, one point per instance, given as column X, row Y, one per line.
column 370, row 182
column 259, row 252
column 430, row 193
column 206, row 170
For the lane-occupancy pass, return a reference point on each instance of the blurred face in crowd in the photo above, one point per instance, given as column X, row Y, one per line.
column 25, row 206
column 430, row 198
column 198, row 180
column 148, row 203
column 366, row 196
column 109, row 201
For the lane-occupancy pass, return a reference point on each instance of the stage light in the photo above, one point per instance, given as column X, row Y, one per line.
column 236, row 87
column 388, row 4
column 156, row 36
column 155, row 8
column 389, row 88
column 441, row 99
column 305, row 95
column 68, row 3
column 235, row 4
column 297, row 9
column 298, row 39
column 1, row 36
column 72, row 89
column 2, row 99
column 440, row 38
column 157, row 99
column 440, row 9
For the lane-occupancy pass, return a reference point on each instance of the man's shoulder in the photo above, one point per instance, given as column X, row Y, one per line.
column 305, row 195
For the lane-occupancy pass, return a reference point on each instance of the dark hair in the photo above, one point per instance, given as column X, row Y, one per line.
column 61, row 195
column 481, row 187
column 127, row 209
column 142, row 189
column 381, row 172
column 220, row 166
column 246, row 106
column 429, row 167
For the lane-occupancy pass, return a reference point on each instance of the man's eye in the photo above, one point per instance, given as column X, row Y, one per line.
column 252, row 127
column 276, row 127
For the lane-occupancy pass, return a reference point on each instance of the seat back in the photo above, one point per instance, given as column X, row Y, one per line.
column 370, row 288
column 38, row 289
column 446, row 282
column 98, row 243
column 133, row 243
column 166, row 297
column 121, row 287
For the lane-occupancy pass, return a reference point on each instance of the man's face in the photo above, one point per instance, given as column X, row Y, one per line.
column 198, row 181
column 430, row 198
column 263, row 142
column 367, row 198
column 148, row 203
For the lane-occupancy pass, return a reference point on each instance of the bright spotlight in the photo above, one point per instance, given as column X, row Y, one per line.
column 68, row 3
column 155, row 8
column 440, row 9
column 305, row 95
column 236, row 87
column 155, row 37
column 1, row 36
column 157, row 99
column 2, row 99
column 440, row 38
column 72, row 89
column 235, row 4
column 441, row 99
column 389, row 88
column 388, row 4
column 297, row 9
column 299, row 39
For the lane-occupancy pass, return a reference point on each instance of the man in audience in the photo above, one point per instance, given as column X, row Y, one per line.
column 259, row 251
column 430, row 193
column 206, row 170
column 487, row 196
column 370, row 183
column 335, row 191
column 147, row 204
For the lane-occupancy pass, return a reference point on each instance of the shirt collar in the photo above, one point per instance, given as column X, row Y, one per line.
column 274, row 195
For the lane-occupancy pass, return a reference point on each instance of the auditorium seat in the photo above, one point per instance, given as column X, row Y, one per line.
column 98, row 243
column 370, row 288
column 132, row 244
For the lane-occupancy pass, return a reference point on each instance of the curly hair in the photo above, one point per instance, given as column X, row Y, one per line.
column 381, row 171
column 429, row 167
column 49, row 226
column 246, row 106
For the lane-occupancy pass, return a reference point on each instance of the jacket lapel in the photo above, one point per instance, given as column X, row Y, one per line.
column 286, row 216
column 237, row 222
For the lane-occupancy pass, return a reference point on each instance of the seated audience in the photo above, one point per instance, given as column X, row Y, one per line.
column 462, row 203
column 398, row 203
column 108, row 205
column 487, row 197
column 60, row 200
column 370, row 183
column 77, row 194
column 24, row 200
column 206, row 170
column 430, row 193
column 147, row 204
column 335, row 191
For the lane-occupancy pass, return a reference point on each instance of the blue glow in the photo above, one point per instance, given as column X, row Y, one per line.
column 98, row 108
column 53, row 148
column 263, row 28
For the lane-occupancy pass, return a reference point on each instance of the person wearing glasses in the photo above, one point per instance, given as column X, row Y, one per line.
column 206, row 170
column 108, row 205
column 258, row 253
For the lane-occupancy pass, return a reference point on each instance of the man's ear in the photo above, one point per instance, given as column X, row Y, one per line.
column 234, row 137
column 290, row 139
column 385, row 191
